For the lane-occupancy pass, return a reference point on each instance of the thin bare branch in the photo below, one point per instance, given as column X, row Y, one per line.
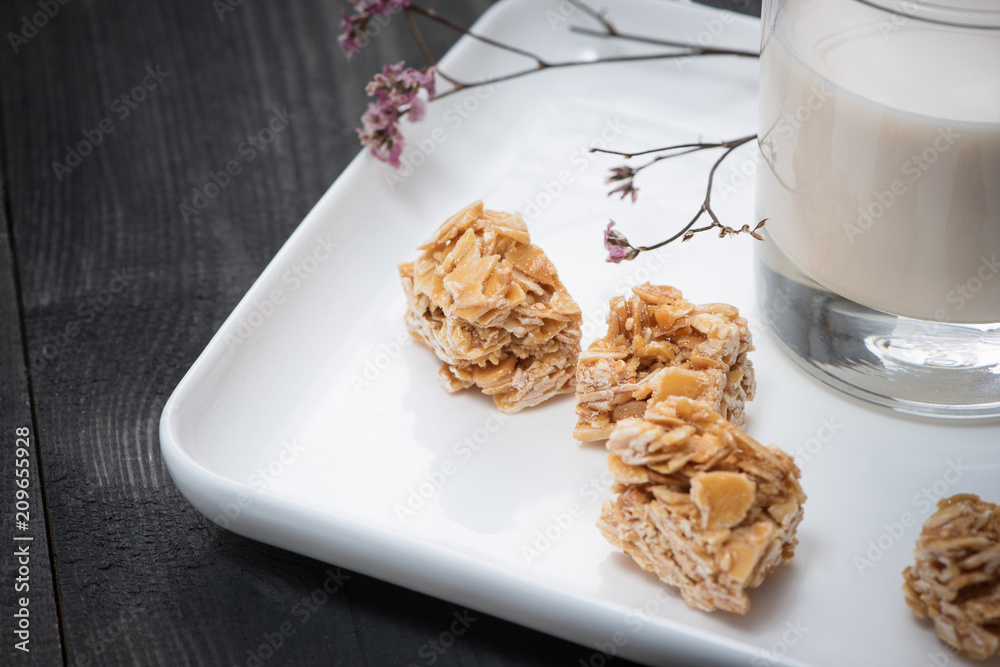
column 434, row 16
column 687, row 232
column 624, row 176
column 695, row 49
column 560, row 65
column 418, row 37
column 599, row 16
column 695, row 147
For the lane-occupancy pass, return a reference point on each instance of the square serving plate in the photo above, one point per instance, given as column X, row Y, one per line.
column 314, row 423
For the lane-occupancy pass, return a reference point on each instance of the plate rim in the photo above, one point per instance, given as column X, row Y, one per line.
column 455, row 576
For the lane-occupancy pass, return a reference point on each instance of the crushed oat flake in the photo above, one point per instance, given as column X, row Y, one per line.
column 491, row 306
column 699, row 503
column 956, row 578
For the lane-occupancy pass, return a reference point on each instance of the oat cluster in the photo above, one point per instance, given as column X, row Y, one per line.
column 657, row 345
column 956, row 578
column 701, row 504
column 492, row 308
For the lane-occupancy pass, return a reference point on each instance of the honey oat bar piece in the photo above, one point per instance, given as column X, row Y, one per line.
column 956, row 578
column 700, row 504
column 492, row 308
column 657, row 345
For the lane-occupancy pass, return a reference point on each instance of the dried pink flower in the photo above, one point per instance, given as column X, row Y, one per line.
column 354, row 33
column 354, row 28
column 626, row 189
column 397, row 93
column 627, row 186
column 381, row 7
column 618, row 247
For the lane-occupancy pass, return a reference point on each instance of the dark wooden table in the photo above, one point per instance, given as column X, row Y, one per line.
column 112, row 113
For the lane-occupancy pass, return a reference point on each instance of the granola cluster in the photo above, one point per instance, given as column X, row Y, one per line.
column 701, row 504
column 490, row 305
column 658, row 344
column 956, row 577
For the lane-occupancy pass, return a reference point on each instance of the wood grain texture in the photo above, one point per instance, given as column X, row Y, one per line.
column 35, row 585
column 121, row 291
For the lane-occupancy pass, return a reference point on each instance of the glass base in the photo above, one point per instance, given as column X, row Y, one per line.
column 913, row 366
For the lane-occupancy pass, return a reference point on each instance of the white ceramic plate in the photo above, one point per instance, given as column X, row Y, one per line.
column 310, row 421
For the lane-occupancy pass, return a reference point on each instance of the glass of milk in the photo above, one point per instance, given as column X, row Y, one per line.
column 880, row 136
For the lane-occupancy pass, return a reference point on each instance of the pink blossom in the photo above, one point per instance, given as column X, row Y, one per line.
column 380, row 7
column 354, row 28
column 618, row 246
column 354, row 33
column 397, row 93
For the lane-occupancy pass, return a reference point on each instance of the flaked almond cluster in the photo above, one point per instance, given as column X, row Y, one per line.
column 956, row 578
column 491, row 306
column 658, row 345
column 700, row 504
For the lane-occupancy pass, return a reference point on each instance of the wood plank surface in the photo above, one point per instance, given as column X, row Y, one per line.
column 28, row 604
column 114, row 112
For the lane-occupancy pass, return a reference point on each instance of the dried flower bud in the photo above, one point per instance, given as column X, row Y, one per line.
column 627, row 187
column 621, row 174
column 618, row 247
column 353, row 33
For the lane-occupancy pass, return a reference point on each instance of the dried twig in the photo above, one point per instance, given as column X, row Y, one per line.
column 397, row 92
column 693, row 49
column 540, row 63
column 618, row 245
column 599, row 16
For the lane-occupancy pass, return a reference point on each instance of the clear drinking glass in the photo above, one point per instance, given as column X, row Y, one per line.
column 880, row 137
